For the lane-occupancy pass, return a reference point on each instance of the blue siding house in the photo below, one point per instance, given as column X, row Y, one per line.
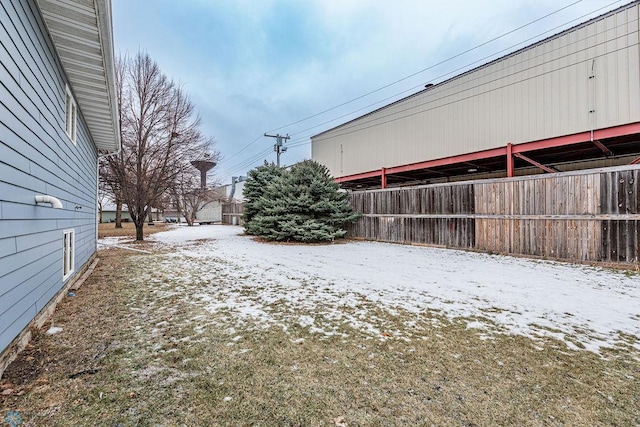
column 58, row 112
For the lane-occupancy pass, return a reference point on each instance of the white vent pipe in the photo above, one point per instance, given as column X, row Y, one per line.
column 55, row 203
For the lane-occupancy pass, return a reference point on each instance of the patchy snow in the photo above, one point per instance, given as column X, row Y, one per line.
column 328, row 289
column 53, row 330
column 113, row 240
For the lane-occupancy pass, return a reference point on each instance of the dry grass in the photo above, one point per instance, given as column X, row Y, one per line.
column 135, row 352
column 129, row 229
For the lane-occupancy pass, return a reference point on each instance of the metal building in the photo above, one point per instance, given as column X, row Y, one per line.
column 571, row 101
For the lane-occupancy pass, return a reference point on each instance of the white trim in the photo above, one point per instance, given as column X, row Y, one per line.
column 68, row 253
column 105, row 29
column 70, row 115
column 71, row 23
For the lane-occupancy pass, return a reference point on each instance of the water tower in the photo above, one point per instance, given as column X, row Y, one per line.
column 204, row 165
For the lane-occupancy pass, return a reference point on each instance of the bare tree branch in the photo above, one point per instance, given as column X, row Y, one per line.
column 160, row 134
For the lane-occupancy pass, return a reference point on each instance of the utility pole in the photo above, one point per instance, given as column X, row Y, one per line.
column 278, row 147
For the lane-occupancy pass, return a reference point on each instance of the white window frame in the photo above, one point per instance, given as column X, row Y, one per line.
column 68, row 253
column 71, row 115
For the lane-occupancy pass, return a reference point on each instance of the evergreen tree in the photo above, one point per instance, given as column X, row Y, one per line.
column 303, row 204
column 254, row 187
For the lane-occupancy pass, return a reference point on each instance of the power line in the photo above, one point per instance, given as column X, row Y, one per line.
column 429, row 67
column 302, row 140
column 244, row 148
column 246, row 163
column 351, row 126
column 241, row 167
column 465, row 98
column 347, row 126
column 405, row 78
column 453, row 71
column 234, row 168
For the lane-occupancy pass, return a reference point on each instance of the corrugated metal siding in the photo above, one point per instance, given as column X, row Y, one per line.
column 538, row 93
column 37, row 157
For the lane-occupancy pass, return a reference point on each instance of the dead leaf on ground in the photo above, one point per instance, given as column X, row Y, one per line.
column 339, row 421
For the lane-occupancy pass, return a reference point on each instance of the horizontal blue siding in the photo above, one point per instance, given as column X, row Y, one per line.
column 63, row 174
column 13, row 262
column 47, row 276
column 20, row 211
column 37, row 157
column 12, row 228
column 30, row 241
column 18, row 321
column 8, row 246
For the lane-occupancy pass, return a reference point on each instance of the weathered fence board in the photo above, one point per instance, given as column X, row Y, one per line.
column 419, row 200
column 453, row 232
column 232, row 213
column 583, row 215
column 620, row 197
column 547, row 195
column 395, row 216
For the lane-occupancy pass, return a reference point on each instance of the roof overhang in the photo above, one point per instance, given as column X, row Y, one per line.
column 82, row 32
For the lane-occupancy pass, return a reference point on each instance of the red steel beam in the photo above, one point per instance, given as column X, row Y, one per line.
column 510, row 168
column 629, row 129
column 495, row 152
column 635, row 161
column 578, row 138
column 383, row 178
column 601, row 146
column 364, row 175
column 534, row 163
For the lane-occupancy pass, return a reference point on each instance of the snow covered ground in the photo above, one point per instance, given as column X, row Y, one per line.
column 329, row 287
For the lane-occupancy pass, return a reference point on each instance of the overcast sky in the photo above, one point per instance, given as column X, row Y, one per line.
column 256, row 66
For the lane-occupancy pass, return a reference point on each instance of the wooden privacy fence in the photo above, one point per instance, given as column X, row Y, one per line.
column 232, row 213
column 591, row 215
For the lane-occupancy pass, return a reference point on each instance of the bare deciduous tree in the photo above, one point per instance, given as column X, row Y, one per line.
column 109, row 190
column 104, row 195
column 189, row 197
column 160, row 133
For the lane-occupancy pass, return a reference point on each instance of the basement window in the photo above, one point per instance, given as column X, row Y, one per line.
column 71, row 115
column 68, row 253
